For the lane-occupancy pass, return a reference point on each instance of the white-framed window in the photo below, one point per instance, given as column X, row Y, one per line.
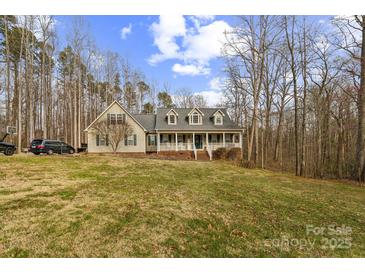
column 102, row 140
column 195, row 118
column 121, row 118
column 114, row 119
column 218, row 119
column 130, row 140
column 172, row 119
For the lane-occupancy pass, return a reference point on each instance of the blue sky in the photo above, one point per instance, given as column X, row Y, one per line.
column 180, row 50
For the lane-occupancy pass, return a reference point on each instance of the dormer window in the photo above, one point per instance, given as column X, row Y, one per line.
column 218, row 120
column 196, row 117
column 218, row 117
column 171, row 117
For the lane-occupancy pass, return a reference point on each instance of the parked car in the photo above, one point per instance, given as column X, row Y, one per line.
column 39, row 146
column 6, row 148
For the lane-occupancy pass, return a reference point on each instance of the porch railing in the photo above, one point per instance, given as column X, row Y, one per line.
column 189, row 146
column 172, row 146
column 215, row 146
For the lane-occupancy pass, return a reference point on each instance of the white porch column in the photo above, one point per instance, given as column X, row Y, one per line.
column 158, row 142
column 241, row 140
column 193, row 140
column 224, row 139
column 176, row 140
column 207, row 140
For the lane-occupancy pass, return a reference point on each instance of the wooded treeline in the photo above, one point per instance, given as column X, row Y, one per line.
column 297, row 87
column 52, row 92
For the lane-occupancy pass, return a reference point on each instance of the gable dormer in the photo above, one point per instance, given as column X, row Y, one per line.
column 218, row 117
column 172, row 117
column 195, row 117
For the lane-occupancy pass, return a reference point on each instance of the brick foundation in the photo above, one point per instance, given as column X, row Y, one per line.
column 175, row 155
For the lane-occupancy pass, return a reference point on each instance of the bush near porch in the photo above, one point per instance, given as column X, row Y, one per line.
column 232, row 154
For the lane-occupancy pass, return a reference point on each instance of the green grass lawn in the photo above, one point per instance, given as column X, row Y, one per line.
column 106, row 206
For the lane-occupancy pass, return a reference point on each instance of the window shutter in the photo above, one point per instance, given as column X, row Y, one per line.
column 124, row 118
column 107, row 140
column 125, row 140
column 97, row 140
column 135, row 139
column 108, row 119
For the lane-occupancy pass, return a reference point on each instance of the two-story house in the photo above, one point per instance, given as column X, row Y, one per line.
column 170, row 129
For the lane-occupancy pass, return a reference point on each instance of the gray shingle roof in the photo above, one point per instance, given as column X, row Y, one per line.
column 148, row 121
column 183, row 122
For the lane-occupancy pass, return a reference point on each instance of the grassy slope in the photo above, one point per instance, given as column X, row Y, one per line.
column 103, row 206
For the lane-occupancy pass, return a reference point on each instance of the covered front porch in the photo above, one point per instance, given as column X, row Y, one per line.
column 210, row 141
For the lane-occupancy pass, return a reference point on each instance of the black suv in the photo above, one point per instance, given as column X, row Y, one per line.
column 39, row 146
column 6, row 148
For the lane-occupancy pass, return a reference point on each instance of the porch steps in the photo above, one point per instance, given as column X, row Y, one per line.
column 203, row 155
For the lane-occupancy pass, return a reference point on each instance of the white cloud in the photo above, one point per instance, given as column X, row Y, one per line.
column 165, row 32
column 212, row 97
column 199, row 20
column 195, row 46
column 216, row 83
column 126, row 31
column 207, row 43
column 192, row 70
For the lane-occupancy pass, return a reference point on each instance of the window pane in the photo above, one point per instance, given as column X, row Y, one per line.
column 130, row 140
column 113, row 119
column 195, row 119
column 219, row 119
column 102, row 140
column 172, row 119
column 119, row 118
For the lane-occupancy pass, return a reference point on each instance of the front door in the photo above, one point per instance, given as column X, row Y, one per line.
column 198, row 141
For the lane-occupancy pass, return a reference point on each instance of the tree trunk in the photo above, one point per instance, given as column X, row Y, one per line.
column 304, row 112
column 361, row 113
column 290, row 44
column 19, row 131
column 8, row 96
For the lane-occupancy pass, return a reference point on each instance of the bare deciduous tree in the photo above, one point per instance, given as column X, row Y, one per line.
column 115, row 132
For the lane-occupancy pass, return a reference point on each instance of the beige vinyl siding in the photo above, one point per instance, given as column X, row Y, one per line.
column 140, row 134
